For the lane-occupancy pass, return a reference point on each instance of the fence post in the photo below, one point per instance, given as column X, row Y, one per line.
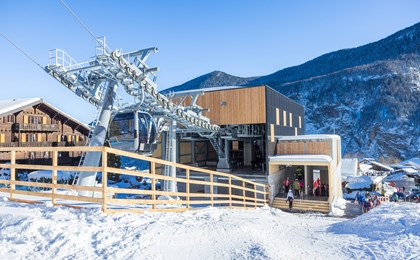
column 230, row 192
column 255, row 195
column 12, row 172
column 243, row 193
column 211, row 189
column 104, row 178
column 152, row 172
column 187, row 176
column 54, row 175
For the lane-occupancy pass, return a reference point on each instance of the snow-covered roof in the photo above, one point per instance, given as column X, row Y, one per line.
column 307, row 137
column 11, row 106
column 364, row 167
column 382, row 166
column 8, row 107
column 411, row 162
column 349, row 166
column 190, row 91
column 306, row 158
column 408, row 170
column 359, row 182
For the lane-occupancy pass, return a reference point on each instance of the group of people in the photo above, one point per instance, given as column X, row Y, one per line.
column 319, row 188
column 367, row 202
column 297, row 186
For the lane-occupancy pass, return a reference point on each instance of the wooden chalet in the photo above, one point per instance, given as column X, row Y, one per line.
column 33, row 122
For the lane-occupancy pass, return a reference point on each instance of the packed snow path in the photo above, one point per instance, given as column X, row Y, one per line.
column 391, row 231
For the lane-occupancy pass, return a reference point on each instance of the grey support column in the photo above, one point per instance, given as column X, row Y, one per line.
column 306, row 179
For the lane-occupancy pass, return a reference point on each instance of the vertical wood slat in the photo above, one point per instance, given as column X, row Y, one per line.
column 54, row 176
column 243, row 193
column 12, row 172
column 153, row 176
column 211, row 189
column 240, row 106
column 230, row 191
column 104, row 179
column 255, row 195
column 187, row 176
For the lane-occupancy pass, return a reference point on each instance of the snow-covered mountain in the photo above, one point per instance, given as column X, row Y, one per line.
column 370, row 95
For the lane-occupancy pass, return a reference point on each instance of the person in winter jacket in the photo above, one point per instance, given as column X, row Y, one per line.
column 315, row 187
column 296, row 187
column 286, row 183
column 290, row 198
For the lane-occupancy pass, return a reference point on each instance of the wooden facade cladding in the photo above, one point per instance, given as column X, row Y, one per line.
column 234, row 106
column 295, row 148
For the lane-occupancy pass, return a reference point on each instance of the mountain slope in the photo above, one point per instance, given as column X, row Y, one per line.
column 370, row 95
column 403, row 42
column 212, row 79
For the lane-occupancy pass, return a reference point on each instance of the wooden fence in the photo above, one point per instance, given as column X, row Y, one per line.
column 383, row 198
column 217, row 189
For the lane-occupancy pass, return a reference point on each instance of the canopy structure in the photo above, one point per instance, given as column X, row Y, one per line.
column 318, row 156
column 304, row 159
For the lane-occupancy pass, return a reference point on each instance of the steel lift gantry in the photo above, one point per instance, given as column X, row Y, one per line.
column 98, row 80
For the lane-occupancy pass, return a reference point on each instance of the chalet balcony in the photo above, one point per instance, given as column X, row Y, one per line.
column 33, row 144
column 42, row 144
column 16, row 127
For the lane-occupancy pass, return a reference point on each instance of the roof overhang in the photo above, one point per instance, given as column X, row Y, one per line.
column 8, row 107
column 308, row 137
column 306, row 159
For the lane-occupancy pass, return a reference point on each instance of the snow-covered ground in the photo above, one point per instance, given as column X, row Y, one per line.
column 391, row 231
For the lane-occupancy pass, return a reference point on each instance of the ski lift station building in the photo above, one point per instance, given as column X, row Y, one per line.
column 262, row 137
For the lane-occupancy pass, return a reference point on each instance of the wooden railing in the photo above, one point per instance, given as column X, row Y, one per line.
column 221, row 189
column 383, row 198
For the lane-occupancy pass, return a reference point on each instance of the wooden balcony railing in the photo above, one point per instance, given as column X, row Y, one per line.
column 35, row 127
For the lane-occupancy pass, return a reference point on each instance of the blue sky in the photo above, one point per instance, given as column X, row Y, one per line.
column 243, row 38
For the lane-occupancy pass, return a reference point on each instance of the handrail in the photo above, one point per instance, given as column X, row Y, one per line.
column 233, row 192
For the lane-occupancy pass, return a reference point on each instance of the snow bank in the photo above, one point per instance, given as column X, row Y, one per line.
column 42, row 232
column 46, row 174
column 390, row 231
column 338, row 207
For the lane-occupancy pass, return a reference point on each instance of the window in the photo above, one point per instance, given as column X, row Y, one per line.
column 277, row 116
column 296, row 131
column 272, row 133
column 290, row 120
column 31, row 138
column 300, row 122
column 8, row 119
column 284, row 118
column 35, row 120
